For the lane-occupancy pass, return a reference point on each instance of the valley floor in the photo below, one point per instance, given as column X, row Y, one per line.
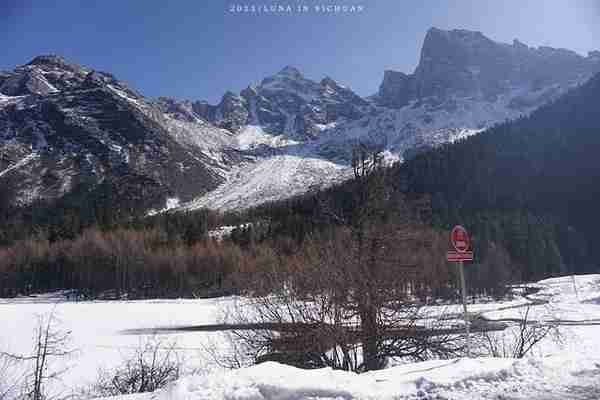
column 568, row 368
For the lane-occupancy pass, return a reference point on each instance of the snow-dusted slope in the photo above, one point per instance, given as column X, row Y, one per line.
column 430, row 123
column 64, row 126
column 283, row 165
column 299, row 133
column 271, row 178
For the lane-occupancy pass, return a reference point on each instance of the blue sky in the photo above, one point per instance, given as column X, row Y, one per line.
column 198, row 49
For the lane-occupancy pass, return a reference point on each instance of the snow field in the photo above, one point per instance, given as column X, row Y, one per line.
column 568, row 368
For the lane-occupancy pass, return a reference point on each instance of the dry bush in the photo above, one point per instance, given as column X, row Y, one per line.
column 519, row 340
column 153, row 365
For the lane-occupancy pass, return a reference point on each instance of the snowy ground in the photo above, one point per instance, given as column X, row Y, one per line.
column 568, row 369
column 96, row 327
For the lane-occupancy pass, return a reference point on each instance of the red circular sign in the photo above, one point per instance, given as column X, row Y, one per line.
column 460, row 239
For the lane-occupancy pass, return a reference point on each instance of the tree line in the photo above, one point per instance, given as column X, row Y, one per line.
column 173, row 255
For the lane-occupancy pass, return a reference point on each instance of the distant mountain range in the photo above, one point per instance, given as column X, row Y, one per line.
column 64, row 127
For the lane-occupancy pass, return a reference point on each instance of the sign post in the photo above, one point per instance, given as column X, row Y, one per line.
column 464, row 301
column 462, row 243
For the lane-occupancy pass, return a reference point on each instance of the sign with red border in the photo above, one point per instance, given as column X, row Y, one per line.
column 460, row 239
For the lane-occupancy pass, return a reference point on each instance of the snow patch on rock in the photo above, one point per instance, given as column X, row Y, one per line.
column 22, row 162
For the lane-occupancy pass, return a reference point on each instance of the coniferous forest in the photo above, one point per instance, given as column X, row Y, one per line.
column 531, row 184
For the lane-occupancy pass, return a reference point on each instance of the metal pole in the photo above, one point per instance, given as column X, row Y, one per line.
column 464, row 301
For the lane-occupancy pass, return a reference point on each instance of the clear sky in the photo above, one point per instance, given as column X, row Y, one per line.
column 198, row 49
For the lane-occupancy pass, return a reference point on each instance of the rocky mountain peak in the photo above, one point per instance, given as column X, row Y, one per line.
column 456, row 37
column 517, row 44
column 249, row 92
column 289, row 78
column 327, row 81
column 290, row 72
column 54, row 63
column 51, row 59
column 460, row 62
column 229, row 96
column 286, row 103
column 43, row 75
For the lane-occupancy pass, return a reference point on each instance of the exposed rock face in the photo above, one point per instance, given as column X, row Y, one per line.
column 286, row 102
column 466, row 63
column 233, row 112
column 182, row 110
column 460, row 62
column 42, row 76
column 396, row 90
column 66, row 126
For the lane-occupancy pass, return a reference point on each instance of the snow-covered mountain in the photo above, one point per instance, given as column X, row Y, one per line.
column 62, row 125
column 303, row 131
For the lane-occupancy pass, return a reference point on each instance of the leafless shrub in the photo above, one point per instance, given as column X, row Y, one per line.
column 153, row 365
column 232, row 353
column 519, row 340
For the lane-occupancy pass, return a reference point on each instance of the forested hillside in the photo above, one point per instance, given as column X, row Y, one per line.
column 532, row 184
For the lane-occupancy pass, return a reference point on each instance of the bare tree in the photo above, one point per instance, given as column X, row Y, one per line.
column 346, row 299
column 51, row 343
column 312, row 318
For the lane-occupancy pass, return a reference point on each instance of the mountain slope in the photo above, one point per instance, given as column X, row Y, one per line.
column 63, row 126
column 464, row 83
